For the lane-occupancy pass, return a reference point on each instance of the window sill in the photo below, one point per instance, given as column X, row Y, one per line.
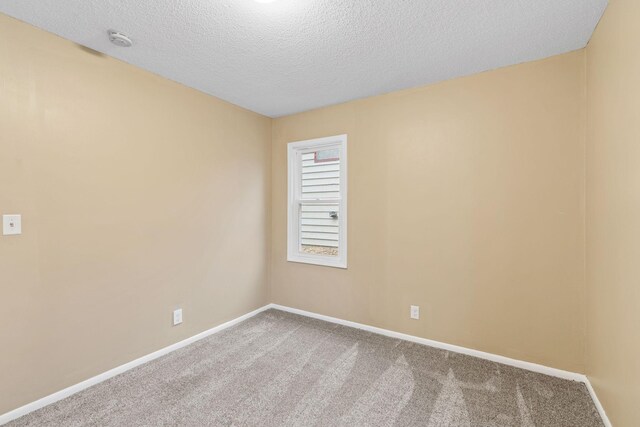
column 321, row 261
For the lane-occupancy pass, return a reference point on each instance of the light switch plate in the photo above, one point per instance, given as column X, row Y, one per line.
column 11, row 225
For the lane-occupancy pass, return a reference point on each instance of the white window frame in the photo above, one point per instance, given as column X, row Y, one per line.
column 294, row 154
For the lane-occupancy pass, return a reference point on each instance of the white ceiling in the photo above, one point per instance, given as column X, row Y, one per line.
column 295, row 55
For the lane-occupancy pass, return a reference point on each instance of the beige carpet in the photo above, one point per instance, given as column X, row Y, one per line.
column 280, row 369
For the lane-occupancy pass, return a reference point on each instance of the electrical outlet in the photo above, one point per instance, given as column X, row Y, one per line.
column 415, row 312
column 177, row 317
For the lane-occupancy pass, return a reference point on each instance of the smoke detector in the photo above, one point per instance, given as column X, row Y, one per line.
column 119, row 39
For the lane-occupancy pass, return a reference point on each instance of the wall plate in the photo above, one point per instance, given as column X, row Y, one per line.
column 11, row 225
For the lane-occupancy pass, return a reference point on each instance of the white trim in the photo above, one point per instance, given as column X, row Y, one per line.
column 444, row 346
column 294, row 151
column 596, row 401
column 529, row 366
column 59, row 395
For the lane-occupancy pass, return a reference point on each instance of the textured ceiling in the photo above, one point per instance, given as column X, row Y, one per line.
column 295, row 55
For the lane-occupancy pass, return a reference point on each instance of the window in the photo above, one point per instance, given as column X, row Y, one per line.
column 317, row 218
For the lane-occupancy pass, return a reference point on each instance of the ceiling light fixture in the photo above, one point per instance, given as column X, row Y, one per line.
column 119, row 39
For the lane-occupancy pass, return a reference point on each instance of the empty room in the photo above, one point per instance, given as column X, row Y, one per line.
column 320, row 213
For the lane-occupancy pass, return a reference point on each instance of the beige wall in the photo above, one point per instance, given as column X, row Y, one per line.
column 613, row 212
column 466, row 198
column 138, row 195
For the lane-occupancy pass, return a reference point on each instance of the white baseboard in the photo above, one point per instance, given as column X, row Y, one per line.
column 59, row 395
column 534, row 367
column 596, row 402
column 52, row 398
